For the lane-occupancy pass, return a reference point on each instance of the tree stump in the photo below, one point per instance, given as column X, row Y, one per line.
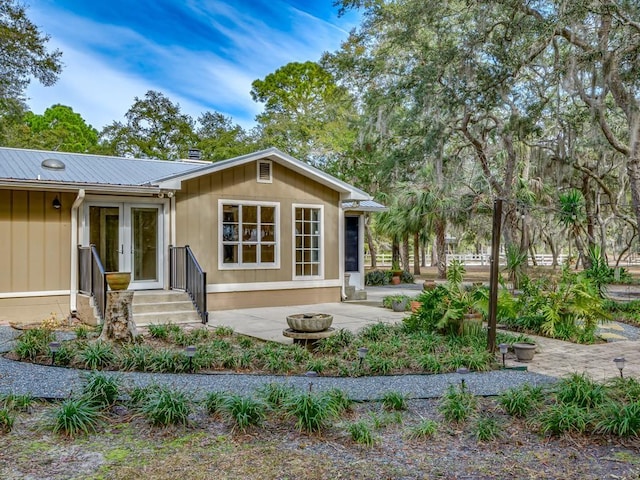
column 118, row 317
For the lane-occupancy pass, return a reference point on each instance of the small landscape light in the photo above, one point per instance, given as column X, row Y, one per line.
column 311, row 374
column 504, row 348
column 462, row 371
column 190, row 351
column 362, row 353
column 619, row 361
column 54, row 347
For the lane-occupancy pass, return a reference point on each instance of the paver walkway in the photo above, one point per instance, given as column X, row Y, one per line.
column 557, row 358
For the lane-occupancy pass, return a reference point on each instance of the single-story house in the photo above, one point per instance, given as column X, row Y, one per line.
column 263, row 229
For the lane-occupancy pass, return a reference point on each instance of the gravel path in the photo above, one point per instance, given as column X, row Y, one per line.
column 58, row 382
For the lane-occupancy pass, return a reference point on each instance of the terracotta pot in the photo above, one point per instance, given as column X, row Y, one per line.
column 524, row 351
column 118, row 280
column 429, row 285
column 415, row 306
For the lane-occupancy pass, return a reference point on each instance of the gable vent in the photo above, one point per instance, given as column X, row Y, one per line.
column 264, row 172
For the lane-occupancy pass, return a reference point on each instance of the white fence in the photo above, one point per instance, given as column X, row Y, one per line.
column 467, row 259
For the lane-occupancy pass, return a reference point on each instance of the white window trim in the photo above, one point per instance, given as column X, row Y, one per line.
column 260, row 180
column 320, row 275
column 248, row 266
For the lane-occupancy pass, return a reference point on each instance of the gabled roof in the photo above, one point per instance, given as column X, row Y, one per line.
column 275, row 155
column 20, row 167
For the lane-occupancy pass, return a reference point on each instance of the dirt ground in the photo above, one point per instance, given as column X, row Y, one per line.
column 128, row 447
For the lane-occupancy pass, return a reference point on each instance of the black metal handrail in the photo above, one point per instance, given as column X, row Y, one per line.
column 186, row 274
column 91, row 277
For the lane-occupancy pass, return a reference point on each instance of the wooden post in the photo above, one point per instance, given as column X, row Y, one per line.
column 493, row 276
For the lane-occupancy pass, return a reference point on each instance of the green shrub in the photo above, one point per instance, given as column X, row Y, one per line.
column 136, row 357
column 82, row 332
column 168, row 361
column 520, row 401
column 338, row 400
column 620, row 420
column 17, row 403
column 563, row 417
column 7, row 419
column 97, row 355
column 222, row 331
column 214, row 402
column 66, row 353
column 160, row 331
column 377, row 278
column 311, row 411
column 340, row 340
column 33, row 343
column 245, row 411
column 457, row 405
column 276, row 394
column 486, row 429
column 579, row 390
column 361, row 433
column 101, row 390
column 76, row 416
column 425, row 428
column 394, row 401
column 165, row 406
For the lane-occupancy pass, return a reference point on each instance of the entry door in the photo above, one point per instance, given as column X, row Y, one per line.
column 129, row 239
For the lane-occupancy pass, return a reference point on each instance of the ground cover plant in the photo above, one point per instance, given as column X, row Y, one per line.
column 392, row 349
column 363, row 441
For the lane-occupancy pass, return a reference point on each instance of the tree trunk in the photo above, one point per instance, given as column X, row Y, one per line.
column 372, row 246
column 118, row 318
column 405, row 253
column 416, row 254
column 440, row 226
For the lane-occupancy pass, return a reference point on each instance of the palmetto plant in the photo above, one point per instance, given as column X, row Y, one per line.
column 516, row 263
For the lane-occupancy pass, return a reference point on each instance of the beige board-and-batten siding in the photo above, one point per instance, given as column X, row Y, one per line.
column 35, row 261
column 197, row 225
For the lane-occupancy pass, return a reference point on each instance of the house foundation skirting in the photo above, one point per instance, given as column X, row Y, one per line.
column 272, row 298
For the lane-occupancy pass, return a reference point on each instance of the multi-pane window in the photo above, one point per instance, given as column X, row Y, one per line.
column 308, row 252
column 249, row 234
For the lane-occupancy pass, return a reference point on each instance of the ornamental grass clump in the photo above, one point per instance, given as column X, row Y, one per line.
column 521, row 401
column 101, row 390
column 33, row 343
column 424, row 429
column 76, row 416
column 394, row 401
column 97, row 355
column 7, row 419
column 165, row 406
column 312, row 411
column 487, row 428
column 361, row 433
column 457, row 405
column 245, row 411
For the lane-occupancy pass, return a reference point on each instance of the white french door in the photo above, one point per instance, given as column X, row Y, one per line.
column 129, row 238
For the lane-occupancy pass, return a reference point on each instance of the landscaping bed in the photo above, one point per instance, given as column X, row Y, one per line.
column 395, row 438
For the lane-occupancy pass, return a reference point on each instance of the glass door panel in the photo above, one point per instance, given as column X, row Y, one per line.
column 144, row 238
column 104, row 233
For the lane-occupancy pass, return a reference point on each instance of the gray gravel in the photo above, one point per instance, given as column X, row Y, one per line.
column 44, row 381
column 55, row 382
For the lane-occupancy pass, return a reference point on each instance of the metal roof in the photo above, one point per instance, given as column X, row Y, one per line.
column 26, row 165
column 364, row 206
column 107, row 173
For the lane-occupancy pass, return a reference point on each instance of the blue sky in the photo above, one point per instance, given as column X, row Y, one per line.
column 203, row 54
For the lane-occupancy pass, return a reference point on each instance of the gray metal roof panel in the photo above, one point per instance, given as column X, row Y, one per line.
column 19, row 164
